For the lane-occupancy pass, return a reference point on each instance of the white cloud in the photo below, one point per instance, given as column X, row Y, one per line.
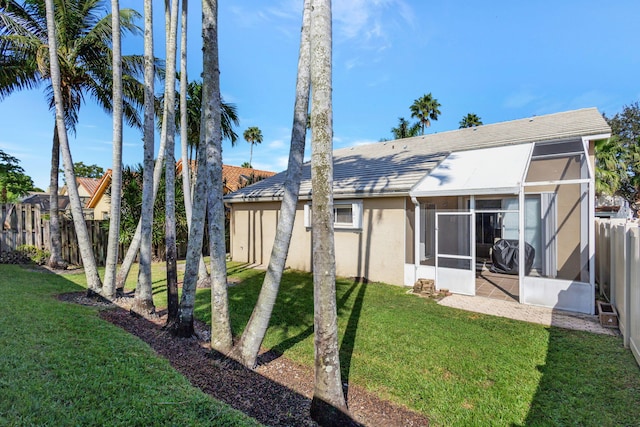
column 276, row 144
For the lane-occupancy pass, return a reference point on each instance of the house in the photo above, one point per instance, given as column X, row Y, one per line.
column 97, row 205
column 444, row 206
column 87, row 187
column 235, row 177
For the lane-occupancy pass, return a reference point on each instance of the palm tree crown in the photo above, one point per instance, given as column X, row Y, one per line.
column 425, row 109
column 84, row 52
column 252, row 135
column 405, row 129
column 470, row 120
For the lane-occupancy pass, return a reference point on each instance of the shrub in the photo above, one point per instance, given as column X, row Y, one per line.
column 35, row 254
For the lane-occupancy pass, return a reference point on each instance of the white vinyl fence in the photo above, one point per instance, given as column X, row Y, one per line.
column 618, row 274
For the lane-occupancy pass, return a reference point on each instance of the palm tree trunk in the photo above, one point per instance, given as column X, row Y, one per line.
column 183, row 327
column 109, row 285
column 221, row 338
column 328, row 402
column 249, row 345
column 84, row 244
column 55, row 240
column 145, row 302
column 203, row 275
column 169, row 122
column 134, row 246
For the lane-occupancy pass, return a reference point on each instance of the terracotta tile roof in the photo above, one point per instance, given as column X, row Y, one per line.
column 236, row 177
column 90, row 184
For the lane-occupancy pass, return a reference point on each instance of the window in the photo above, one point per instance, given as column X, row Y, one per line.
column 347, row 214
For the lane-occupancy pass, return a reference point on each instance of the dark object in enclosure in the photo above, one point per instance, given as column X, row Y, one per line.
column 504, row 256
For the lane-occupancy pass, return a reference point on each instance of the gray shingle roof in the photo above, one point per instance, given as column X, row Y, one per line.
column 393, row 167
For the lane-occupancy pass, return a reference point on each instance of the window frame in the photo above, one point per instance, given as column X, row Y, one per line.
column 356, row 215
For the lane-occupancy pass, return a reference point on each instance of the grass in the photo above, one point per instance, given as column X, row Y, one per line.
column 456, row 367
column 61, row 364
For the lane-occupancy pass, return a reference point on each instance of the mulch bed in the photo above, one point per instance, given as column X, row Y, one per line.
column 277, row 393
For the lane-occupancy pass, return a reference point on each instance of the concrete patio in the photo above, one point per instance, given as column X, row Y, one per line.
column 528, row 313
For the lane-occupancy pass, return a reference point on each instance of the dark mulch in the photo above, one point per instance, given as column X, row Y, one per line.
column 277, row 393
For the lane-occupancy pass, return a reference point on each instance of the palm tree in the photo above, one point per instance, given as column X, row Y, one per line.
column 252, row 135
column 609, row 168
column 249, row 345
column 109, row 285
column 470, row 120
column 425, row 109
column 221, row 338
column 328, row 402
column 85, row 59
column 84, row 244
column 169, row 132
column 143, row 300
column 405, row 129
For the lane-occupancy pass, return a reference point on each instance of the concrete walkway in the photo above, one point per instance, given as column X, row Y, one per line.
column 528, row 313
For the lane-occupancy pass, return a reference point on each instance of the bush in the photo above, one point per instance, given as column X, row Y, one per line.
column 35, row 254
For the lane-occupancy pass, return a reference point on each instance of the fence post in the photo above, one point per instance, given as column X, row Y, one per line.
column 634, row 292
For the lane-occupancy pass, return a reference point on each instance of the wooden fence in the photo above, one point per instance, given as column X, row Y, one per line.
column 618, row 273
column 25, row 224
column 22, row 225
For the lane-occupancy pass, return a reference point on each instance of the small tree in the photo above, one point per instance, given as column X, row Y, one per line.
column 13, row 182
column 622, row 152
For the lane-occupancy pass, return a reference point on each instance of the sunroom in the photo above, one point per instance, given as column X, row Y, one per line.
column 476, row 209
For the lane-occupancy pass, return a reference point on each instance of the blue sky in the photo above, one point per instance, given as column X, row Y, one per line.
column 501, row 60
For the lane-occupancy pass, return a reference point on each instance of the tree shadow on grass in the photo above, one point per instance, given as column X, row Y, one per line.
column 279, row 349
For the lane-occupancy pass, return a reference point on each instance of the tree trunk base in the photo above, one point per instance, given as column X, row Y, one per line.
column 57, row 264
column 143, row 307
column 180, row 329
column 327, row 415
column 236, row 354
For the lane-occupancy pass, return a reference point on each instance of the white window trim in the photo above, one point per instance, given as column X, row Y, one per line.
column 356, row 213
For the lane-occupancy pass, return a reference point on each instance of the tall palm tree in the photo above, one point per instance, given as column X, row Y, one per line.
column 85, row 58
column 143, row 300
column 109, row 284
column 405, row 129
column 328, row 399
column 249, row 345
column 221, row 338
column 84, row 244
column 169, row 132
column 470, row 120
column 425, row 109
column 252, row 135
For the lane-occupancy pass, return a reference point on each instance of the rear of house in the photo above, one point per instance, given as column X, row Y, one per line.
column 455, row 208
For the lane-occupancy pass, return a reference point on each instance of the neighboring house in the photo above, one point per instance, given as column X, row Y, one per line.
column 433, row 206
column 99, row 205
column 87, row 187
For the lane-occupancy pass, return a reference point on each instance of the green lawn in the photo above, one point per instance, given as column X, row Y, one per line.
column 456, row 367
column 60, row 364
